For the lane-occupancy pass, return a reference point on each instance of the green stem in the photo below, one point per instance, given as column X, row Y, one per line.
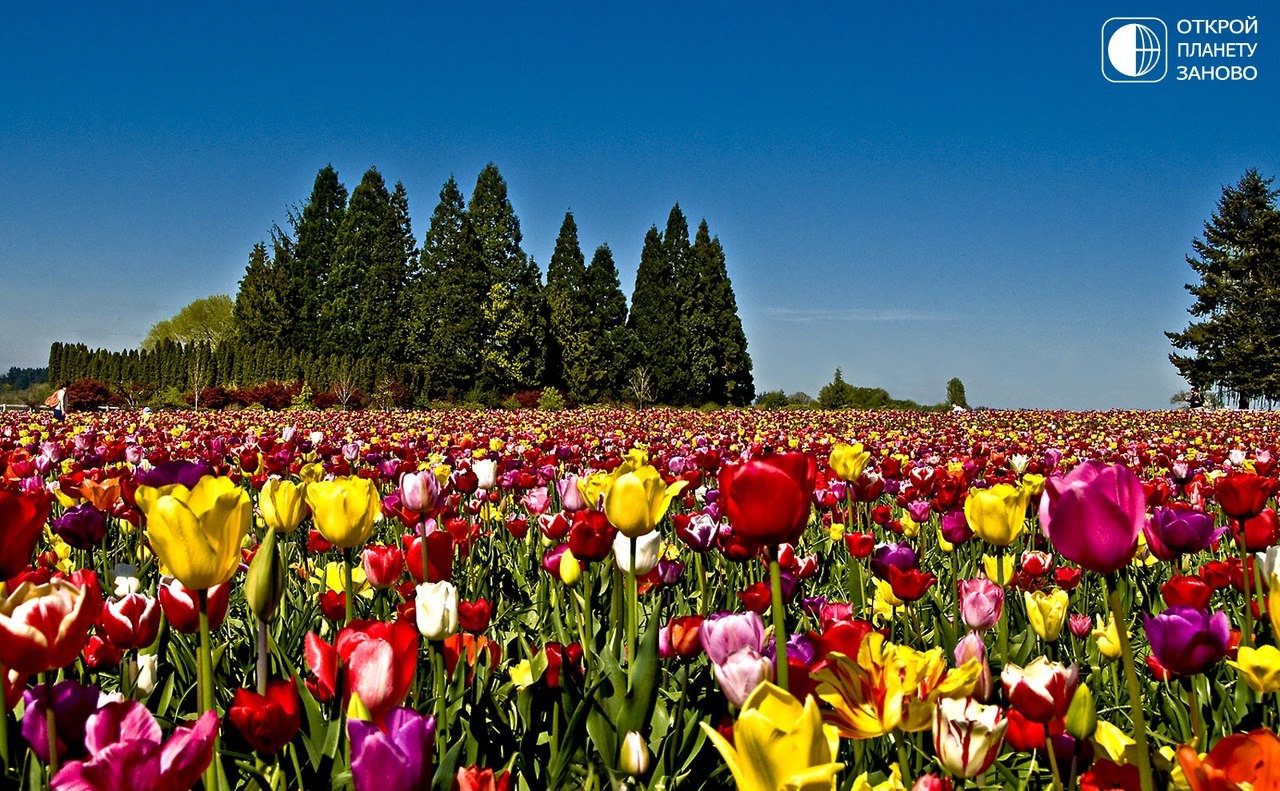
column 1193, row 706
column 206, row 683
column 633, row 607
column 779, row 620
column 441, row 688
column 4, row 722
column 1246, row 638
column 1003, row 625
column 1131, row 682
column 904, row 759
column 263, row 657
column 703, row 605
column 1053, row 760
column 346, row 582
column 50, row 724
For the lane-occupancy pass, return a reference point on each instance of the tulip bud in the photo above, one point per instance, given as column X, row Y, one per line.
column 635, row 755
column 570, row 569
column 145, row 676
column 647, row 552
column 356, row 710
column 1082, row 717
column 436, row 607
column 265, row 582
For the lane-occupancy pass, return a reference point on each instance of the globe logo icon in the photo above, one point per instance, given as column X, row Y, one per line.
column 1134, row 50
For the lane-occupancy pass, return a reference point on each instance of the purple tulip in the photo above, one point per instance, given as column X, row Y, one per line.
column 724, row 633
column 395, row 757
column 1187, row 640
column 955, row 528
column 899, row 556
column 670, row 571
column 82, row 526
column 73, row 703
column 1093, row 514
column 919, row 510
column 1052, row 458
column 1172, row 532
column 184, row 473
column 126, row 751
column 700, row 534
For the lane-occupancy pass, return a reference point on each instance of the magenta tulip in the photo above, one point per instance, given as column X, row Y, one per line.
column 1093, row 514
column 126, row 752
column 980, row 603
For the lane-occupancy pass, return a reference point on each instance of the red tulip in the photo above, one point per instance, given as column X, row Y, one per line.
column 322, row 661
column 333, row 605
column 22, row 518
column 1187, row 591
column 379, row 659
column 474, row 616
column 1243, row 495
column 591, row 536
column 268, row 722
column 766, row 499
column 383, row 565
column 680, row 637
column 44, row 627
column 472, row 778
column 1259, row 532
column 1042, row 690
column 860, row 544
column 1240, row 760
column 131, row 622
column 757, row 597
column 911, row 584
column 439, row 556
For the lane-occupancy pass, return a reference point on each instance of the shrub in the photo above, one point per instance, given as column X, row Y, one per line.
column 526, row 399
column 87, row 394
column 551, row 399
column 772, row 399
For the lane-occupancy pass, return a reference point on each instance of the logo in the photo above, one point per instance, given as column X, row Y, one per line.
column 1135, row 49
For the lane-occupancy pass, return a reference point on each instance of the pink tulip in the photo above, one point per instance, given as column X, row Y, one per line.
column 980, row 603
column 127, row 752
column 1093, row 514
column 741, row 672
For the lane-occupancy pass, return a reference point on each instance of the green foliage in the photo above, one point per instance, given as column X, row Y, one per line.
column 568, row 362
column 653, row 322
column 304, row 397
column 22, row 378
column 772, row 399
column 839, row 394
column 210, row 321
column 315, row 243
column 551, row 399
column 955, row 393
column 1235, row 342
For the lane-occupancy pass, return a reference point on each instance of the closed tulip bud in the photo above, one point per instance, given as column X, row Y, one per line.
column 635, row 755
column 1047, row 613
column 486, row 471
column 997, row 514
column 419, row 491
column 1080, row 625
column 282, row 504
column 741, row 673
column 972, row 647
column 570, row 568
column 981, row 601
column 265, row 583
column 967, row 735
column 999, row 569
column 1082, row 717
column 131, row 621
column 436, row 608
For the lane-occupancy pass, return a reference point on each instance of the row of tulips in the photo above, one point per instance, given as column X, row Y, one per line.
column 454, row 600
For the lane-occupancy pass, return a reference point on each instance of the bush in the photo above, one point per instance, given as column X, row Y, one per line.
column 772, row 399
column 211, row 398
column 269, row 395
column 525, row 399
column 305, row 399
column 325, row 399
column 87, row 394
column 167, row 398
column 551, row 399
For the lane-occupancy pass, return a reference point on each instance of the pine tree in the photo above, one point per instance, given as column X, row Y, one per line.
column 566, row 359
column 447, row 309
column 656, row 321
column 260, row 314
column 514, row 309
column 370, row 276
column 612, row 352
column 315, row 234
column 1236, row 342
column 719, row 368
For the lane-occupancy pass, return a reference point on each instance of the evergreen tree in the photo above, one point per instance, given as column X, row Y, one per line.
column 315, row 232
column 719, row 368
column 260, row 314
column 837, row 394
column 955, row 393
column 447, row 310
column 655, row 319
column 612, row 352
column 566, row 359
column 1236, row 342
column 514, row 309
column 370, row 276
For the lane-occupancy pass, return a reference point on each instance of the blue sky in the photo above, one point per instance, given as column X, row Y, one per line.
column 911, row 191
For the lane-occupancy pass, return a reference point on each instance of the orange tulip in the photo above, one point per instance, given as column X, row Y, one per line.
column 1237, row 760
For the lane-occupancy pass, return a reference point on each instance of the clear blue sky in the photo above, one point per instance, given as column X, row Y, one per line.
column 910, row 191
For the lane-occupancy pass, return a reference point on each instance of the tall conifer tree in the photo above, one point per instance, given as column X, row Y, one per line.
column 719, row 366
column 567, row 362
column 655, row 316
column 315, row 233
column 514, row 310
column 612, row 352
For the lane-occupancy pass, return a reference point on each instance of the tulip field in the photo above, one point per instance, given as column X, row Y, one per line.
column 656, row 599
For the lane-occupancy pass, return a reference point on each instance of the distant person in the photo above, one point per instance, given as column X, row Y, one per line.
column 1195, row 399
column 58, row 401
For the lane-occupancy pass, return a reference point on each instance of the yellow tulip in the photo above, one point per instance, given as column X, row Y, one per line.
column 779, row 743
column 593, row 487
column 636, row 501
column 331, row 578
column 196, row 533
column 282, row 504
column 848, row 461
column 943, row 543
column 1108, row 637
column 1259, row 667
column 891, row 783
column 1034, row 484
column 997, row 515
column 1114, row 744
column 311, row 473
column 1047, row 612
column 992, row 565
column 344, row 509
column 522, row 674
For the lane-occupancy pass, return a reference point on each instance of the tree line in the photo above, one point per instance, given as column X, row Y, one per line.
column 1234, row 339
column 466, row 316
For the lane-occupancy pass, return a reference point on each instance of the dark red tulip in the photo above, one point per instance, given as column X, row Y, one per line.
column 474, row 616
column 1187, row 591
column 591, row 536
column 181, row 605
column 766, row 499
column 268, row 722
column 1243, row 495
column 22, row 518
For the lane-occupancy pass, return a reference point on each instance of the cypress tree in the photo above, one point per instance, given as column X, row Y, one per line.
column 655, row 318
column 260, row 313
column 718, row 364
column 566, row 360
column 611, row 344
column 514, row 309
column 446, row 318
column 369, row 277
column 315, row 231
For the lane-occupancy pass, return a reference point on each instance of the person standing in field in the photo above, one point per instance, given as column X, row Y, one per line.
column 58, row 401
